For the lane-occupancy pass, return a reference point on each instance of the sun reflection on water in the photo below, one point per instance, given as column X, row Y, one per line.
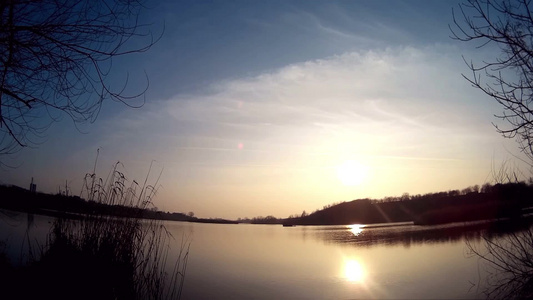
column 356, row 229
column 353, row 271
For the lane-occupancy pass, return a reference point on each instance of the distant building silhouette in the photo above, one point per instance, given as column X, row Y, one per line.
column 33, row 186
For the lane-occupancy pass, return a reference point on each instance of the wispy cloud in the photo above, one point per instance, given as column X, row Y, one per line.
column 373, row 99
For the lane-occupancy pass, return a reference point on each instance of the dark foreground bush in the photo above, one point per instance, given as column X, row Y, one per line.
column 102, row 257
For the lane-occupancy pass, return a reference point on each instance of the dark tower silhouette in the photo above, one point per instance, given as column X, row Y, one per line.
column 33, row 186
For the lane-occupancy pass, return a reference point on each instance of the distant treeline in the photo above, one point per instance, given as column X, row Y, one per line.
column 20, row 199
column 509, row 200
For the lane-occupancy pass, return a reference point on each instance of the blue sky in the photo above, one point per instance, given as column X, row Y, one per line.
column 260, row 107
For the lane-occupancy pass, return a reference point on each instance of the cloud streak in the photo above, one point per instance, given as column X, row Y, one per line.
column 383, row 101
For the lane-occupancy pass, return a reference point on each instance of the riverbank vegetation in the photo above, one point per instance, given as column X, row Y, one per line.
column 74, row 207
column 103, row 256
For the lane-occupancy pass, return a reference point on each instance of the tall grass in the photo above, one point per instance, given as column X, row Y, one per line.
column 99, row 256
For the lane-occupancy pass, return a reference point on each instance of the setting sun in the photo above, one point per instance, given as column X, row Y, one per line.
column 351, row 172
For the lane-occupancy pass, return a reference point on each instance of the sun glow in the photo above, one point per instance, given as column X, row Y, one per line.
column 353, row 271
column 351, row 172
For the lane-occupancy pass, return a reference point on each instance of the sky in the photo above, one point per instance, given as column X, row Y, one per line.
column 259, row 108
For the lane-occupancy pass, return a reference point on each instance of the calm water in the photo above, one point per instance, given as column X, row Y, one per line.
column 329, row 262
column 316, row 262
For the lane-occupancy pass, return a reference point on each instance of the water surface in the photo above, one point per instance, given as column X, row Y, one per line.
column 329, row 262
column 246, row 261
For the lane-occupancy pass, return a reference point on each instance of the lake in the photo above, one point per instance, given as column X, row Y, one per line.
column 248, row 261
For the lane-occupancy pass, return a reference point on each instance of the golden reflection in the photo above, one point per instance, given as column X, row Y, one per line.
column 356, row 229
column 353, row 271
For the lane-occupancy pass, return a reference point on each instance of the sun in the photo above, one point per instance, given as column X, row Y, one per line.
column 351, row 172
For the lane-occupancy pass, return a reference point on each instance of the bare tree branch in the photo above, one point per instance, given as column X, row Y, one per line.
column 56, row 56
column 508, row 78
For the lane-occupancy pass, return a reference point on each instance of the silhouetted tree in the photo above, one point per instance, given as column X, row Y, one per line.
column 453, row 193
column 508, row 78
column 55, row 59
column 466, row 191
column 486, row 188
column 405, row 197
